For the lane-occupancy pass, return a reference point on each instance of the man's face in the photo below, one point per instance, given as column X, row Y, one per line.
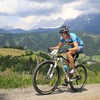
column 65, row 36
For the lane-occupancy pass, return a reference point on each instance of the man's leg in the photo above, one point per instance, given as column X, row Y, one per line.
column 70, row 58
column 66, row 80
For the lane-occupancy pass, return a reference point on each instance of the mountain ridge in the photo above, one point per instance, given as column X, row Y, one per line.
column 88, row 23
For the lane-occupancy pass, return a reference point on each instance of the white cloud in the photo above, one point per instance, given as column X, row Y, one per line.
column 24, row 8
column 8, row 7
column 27, row 14
column 69, row 11
column 89, row 6
column 27, row 22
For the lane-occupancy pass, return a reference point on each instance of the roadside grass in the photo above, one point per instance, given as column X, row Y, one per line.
column 10, row 80
column 93, row 78
column 14, row 80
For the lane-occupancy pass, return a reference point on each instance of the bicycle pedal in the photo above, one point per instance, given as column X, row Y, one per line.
column 65, row 84
column 71, row 80
column 79, row 77
column 70, row 75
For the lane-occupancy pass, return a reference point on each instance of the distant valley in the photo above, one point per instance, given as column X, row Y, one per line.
column 42, row 41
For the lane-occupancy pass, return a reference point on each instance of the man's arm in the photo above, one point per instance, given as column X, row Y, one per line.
column 75, row 48
column 58, row 46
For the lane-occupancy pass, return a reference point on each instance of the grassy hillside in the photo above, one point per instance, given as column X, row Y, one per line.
column 30, row 41
column 96, row 57
column 22, row 53
column 37, row 41
column 10, row 51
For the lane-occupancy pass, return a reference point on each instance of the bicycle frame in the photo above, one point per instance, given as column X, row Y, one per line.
column 58, row 57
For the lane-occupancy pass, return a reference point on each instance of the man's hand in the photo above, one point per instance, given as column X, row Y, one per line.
column 67, row 50
column 50, row 49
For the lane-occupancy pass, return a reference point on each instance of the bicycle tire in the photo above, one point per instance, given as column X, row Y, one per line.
column 36, row 84
column 83, row 74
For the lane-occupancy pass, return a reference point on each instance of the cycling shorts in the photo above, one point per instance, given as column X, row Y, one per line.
column 80, row 49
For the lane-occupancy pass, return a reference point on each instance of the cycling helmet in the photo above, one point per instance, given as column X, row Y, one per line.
column 64, row 30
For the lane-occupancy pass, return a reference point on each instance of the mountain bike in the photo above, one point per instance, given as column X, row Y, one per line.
column 47, row 74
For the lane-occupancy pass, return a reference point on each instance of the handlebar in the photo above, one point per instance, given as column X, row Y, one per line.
column 50, row 49
column 60, row 51
column 55, row 51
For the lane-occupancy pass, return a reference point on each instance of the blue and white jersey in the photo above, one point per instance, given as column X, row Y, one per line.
column 72, row 38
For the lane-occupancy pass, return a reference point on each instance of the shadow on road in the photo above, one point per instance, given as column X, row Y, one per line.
column 3, row 97
column 64, row 89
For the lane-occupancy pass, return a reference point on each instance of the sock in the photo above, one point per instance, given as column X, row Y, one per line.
column 72, row 71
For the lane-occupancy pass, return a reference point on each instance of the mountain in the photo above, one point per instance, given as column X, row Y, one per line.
column 7, row 27
column 13, row 31
column 17, row 30
column 53, row 23
column 29, row 41
column 39, row 30
column 2, row 30
column 89, row 23
column 44, row 30
column 42, row 41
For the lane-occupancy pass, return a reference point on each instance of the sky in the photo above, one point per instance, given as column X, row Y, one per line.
column 32, row 14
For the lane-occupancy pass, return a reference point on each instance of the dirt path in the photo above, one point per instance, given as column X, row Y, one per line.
column 90, row 92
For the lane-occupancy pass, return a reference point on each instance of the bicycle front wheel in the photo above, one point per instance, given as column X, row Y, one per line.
column 79, row 80
column 45, row 78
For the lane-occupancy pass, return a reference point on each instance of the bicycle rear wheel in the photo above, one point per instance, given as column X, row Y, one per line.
column 79, row 80
column 43, row 83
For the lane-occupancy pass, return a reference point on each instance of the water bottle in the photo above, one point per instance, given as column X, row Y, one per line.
column 66, row 68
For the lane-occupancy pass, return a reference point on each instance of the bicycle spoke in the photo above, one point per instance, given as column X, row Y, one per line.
column 45, row 80
column 80, row 79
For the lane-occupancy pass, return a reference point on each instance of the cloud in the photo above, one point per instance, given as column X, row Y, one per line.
column 26, row 23
column 8, row 21
column 24, row 8
column 38, row 9
column 27, row 13
column 89, row 6
column 55, row 1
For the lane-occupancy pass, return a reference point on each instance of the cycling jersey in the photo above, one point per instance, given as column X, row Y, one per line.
column 73, row 38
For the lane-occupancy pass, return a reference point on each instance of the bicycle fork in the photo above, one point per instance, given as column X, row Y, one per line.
column 51, row 70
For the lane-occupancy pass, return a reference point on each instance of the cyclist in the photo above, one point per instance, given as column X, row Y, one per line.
column 76, row 45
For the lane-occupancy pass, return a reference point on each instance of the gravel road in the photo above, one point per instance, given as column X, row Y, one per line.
column 90, row 92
